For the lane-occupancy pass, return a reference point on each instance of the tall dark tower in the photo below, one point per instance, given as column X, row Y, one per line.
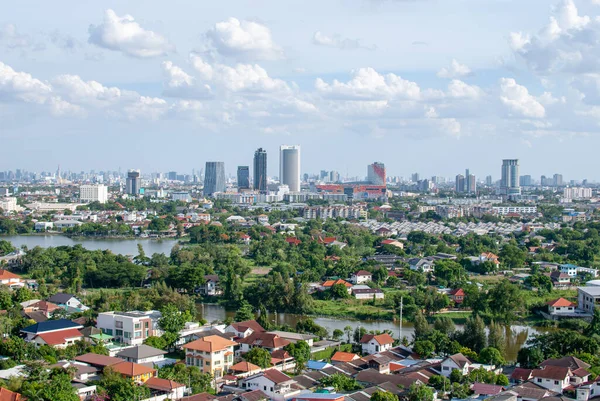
column 260, row 170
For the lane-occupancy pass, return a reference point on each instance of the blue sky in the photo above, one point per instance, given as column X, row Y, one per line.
column 432, row 86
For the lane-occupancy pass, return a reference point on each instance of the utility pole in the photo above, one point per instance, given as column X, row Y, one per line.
column 401, row 306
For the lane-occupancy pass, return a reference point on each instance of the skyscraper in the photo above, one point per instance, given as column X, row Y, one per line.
column 243, row 177
column 133, row 183
column 509, row 183
column 289, row 166
column 488, row 181
column 260, row 170
column 376, row 173
column 459, row 184
column 214, row 178
column 470, row 184
column 558, row 180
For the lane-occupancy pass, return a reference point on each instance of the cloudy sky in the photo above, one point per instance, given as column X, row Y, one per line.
column 429, row 86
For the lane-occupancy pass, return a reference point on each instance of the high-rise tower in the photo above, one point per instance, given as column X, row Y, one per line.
column 289, row 166
column 260, row 170
column 214, row 178
column 509, row 183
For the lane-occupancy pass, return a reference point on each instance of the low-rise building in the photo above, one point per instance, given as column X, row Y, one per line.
column 588, row 298
column 561, row 306
column 360, row 277
column 211, row 354
column 134, row 371
column 245, row 328
column 142, row 354
column 367, row 293
column 275, row 384
column 57, row 333
column 68, row 301
column 373, row 344
column 126, row 327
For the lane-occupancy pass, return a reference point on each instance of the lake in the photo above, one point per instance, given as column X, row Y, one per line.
column 117, row 246
column 516, row 335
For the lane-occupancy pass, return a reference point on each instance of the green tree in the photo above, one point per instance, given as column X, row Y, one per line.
column 424, row 348
column 156, row 342
column 244, row 312
column 340, row 382
column 339, row 291
column 258, row 356
column 420, row 392
column 348, row 331
column 439, row 382
column 460, row 391
column 456, row 376
column 263, row 318
column 380, row 395
column 445, row 325
column 191, row 375
column 421, row 326
column 473, row 335
column 171, row 322
column 119, row 388
column 300, row 351
column 496, row 337
column 491, row 356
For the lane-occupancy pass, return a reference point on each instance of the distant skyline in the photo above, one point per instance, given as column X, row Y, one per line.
column 426, row 86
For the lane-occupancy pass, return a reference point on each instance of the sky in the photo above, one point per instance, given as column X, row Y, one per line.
column 428, row 86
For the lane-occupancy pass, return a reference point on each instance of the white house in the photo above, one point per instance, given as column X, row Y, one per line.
column 561, row 306
column 555, row 378
column 245, row 328
column 127, row 327
column 569, row 269
column 67, row 301
column 43, row 225
column 456, row 361
column 372, row 344
column 361, row 276
column 143, row 354
column 8, row 278
column 424, row 265
column 275, row 384
column 367, row 293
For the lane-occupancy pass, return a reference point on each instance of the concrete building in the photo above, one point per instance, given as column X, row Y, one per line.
column 183, row 196
column 459, row 183
column 504, row 210
column 376, row 173
column 509, row 184
column 577, row 193
column 211, row 354
column 93, row 193
column 133, row 183
column 214, row 178
column 243, row 177
column 126, row 327
column 260, row 170
column 289, row 166
column 9, row 204
column 373, row 344
column 588, row 298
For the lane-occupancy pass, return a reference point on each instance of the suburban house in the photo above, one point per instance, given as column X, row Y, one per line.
column 143, row 354
column 577, row 367
column 373, row 344
column 489, row 257
column 424, row 265
column 561, row 306
column 361, row 276
column 554, row 378
column 244, row 329
column 58, row 333
column 168, row 389
column 210, row 286
column 343, row 357
column 367, row 293
column 211, row 354
column 134, row 371
column 393, row 242
column 295, row 337
column 39, row 311
column 68, row 301
column 560, row 280
column 275, row 384
column 98, row 361
column 269, row 341
column 126, row 327
column 568, row 269
column 456, row 361
column 330, row 283
column 243, row 369
column 8, row 278
column 457, row 296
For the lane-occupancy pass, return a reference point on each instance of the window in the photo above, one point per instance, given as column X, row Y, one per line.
column 146, row 325
column 539, row 380
column 556, row 382
column 119, row 324
column 107, row 331
column 119, row 333
column 138, row 334
column 138, row 325
column 265, row 388
column 127, row 334
column 147, row 333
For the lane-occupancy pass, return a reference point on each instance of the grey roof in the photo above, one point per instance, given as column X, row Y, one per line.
column 140, row 352
column 593, row 290
column 60, row 298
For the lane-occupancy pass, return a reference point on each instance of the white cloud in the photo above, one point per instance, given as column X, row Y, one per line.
column 339, row 42
column 456, row 70
column 75, row 89
column 368, row 84
column 127, row 36
column 568, row 43
column 517, row 98
column 22, row 86
column 181, row 84
column 244, row 39
column 461, row 90
column 13, row 39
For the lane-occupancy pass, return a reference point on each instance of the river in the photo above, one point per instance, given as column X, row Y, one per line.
column 516, row 335
column 117, row 246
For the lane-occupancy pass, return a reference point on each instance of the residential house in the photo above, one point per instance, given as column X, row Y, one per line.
column 577, row 366
column 294, row 337
column 126, row 327
column 68, row 301
column 244, row 329
column 330, row 283
column 211, row 354
column 520, row 375
column 243, row 369
column 342, row 357
column 58, row 339
column 40, row 311
column 489, row 257
column 9, row 278
column 143, row 354
column 275, row 384
column 367, row 293
column 568, row 269
column 63, row 326
column 269, row 341
column 561, row 306
column 373, row 344
column 483, row 389
column 554, row 378
column 82, row 371
column 168, row 389
column 393, row 242
column 211, row 286
column 457, row 296
column 134, row 371
column 456, row 361
column 98, row 361
column 360, row 277
column 424, row 265
column 560, row 280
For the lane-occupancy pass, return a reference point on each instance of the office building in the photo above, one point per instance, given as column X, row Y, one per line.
column 243, row 177
column 260, row 170
column 133, row 183
column 459, row 185
column 558, row 180
column 525, row 181
column 470, row 184
column 93, row 193
column 376, row 173
column 509, row 183
column 214, row 178
column 414, row 177
column 172, row 176
column 488, row 181
column 289, row 166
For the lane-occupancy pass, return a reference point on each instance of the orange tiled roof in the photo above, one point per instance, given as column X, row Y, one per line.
column 6, row 275
column 7, row 395
column 341, row 356
column 245, row 367
column 210, row 344
column 331, row 283
column 560, row 302
column 131, row 369
column 59, row 337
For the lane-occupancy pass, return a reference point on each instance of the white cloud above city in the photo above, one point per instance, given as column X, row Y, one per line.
column 246, row 72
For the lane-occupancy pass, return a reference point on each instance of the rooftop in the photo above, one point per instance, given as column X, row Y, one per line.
column 140, row 352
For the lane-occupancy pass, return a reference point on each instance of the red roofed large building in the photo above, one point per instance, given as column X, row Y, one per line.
column 245, row 328
column 269, row 341
column 372, row 344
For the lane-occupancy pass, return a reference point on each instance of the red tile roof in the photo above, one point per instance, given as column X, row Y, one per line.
column 248, row 324
column 7, row 395
column 59, row 337
column 560, row 302
column 98, row 360
column 162, row 384
column 521, row 374
column 331, row 283
column 363, row 273
column 131, row 369
column 210, row 344
column 276, row 376
column 266, row 340
column 551, row 372
column 6, row 275
column 341, row 356
column 382, row 339
column 486, row 389
column 245, row 367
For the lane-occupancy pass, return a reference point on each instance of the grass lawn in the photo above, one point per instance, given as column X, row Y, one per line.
column 351, row 308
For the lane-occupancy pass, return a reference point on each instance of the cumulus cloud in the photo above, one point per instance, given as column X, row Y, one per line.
column 518, row 100
column 124, row 34
column 568, row 43
column 244, row 40
column 368, row 84
column 339, row 42
column 181, row 84
column 461, row 90
column 455, row 70
column 13, row 39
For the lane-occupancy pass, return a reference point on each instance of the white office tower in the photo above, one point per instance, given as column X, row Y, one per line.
column 93, row 193
column 289, row 166
column 510, row 177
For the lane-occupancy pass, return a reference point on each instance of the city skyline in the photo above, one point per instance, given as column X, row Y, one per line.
column 339, row 84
